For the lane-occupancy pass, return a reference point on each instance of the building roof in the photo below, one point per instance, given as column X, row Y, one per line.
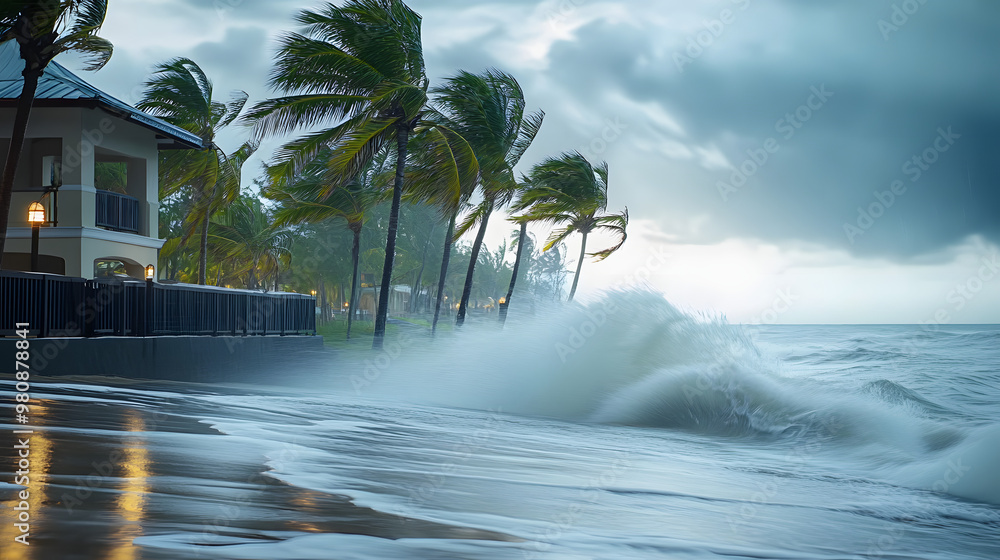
column 58, row 87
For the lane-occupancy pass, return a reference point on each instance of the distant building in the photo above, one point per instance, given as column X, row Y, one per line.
column 77, row 138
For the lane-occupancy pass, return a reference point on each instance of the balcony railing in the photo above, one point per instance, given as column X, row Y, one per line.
column 117, row 212
column 64, row 306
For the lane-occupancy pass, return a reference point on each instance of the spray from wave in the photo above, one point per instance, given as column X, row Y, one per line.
column 631, row 358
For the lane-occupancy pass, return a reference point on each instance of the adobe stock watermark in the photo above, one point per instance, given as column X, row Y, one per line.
column 782, row 303
column 787, row 127
column 964, row 292
column 766, row 491
column 612, row 131
column 705, row 38
column 435, row 481
column 234, row 506
column 914, row 168
column 899, row 17
column 954, row 472
column 590, row 495
column 374, row 368
column 589, row 327
column 105, row 472
column 223, row 7
column 563, row 10
column 91, row 138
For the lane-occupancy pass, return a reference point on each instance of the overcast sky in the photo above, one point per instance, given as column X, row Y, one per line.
column 786, row 161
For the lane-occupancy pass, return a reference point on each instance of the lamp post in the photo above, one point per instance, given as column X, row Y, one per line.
column 36, row 217
column 147, row 327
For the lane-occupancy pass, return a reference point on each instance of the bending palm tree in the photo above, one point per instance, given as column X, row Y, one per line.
column 43, row 29
column 569, row 190
column 361, row 66
column 520, row 241
column 181, row 94
column 488, row 110
column 428, row 184
column 301, row 201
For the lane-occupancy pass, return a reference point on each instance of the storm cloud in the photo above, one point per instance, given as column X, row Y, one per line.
column 862, row 129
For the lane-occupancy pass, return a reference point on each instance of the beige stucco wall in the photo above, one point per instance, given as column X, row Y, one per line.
column 82, row 136
column 80, row 247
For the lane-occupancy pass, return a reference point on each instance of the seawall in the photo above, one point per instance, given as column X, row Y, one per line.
column 175, row 358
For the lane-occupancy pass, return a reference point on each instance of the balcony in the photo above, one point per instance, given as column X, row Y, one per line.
column 117, row 212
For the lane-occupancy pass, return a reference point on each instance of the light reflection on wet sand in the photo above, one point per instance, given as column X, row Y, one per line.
column 131, row 502
column 41, row 461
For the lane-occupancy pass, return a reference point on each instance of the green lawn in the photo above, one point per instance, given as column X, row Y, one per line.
column 445, row 323
column 334, row 334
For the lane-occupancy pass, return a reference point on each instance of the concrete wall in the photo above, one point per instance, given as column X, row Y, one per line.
column 176, row 358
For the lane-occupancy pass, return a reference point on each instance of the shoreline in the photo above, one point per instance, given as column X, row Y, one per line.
column 107, row 472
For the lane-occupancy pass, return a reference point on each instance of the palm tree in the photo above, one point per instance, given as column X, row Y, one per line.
column 361, row 67
column 255, row 248
column 301, row 201
column 569, row 190
column 488, row 111
column 180, row 93
column 43, row 29
column 428, row 182
column 520, row 240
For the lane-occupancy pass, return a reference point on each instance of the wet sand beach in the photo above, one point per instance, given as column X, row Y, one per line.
column 105, row 472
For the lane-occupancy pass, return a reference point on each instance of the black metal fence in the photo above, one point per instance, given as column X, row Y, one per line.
column 117, row 211
column 63, row 306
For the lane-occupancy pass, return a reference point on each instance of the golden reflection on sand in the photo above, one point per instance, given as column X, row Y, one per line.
column 41, row 462
column 131, row 503
column 304, row 501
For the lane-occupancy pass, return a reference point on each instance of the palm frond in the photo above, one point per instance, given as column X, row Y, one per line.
column 557, row 236
column 617, row 224
column 473, row 219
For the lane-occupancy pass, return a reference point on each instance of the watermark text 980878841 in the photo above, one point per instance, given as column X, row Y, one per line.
column 22, row 437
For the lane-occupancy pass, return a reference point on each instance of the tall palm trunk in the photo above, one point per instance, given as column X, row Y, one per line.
column 322, row 300
column 16, row 145
column 445, row 259
column 513, row 275
column 476, row 246
column 203, row 255
column 415, row 292
column 355, row 254
column 402, row 135
column 579, row 265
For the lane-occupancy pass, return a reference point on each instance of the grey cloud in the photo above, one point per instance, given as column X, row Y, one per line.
column 890, row 98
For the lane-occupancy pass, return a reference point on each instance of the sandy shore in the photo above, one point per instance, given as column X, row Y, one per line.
column 105, row 471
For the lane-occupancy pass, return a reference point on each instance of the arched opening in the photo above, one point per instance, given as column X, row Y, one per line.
column 118, row 267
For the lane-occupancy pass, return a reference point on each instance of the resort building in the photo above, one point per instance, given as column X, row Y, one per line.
column 90, row 160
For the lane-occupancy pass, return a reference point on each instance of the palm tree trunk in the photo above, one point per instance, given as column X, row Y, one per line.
column 203, row 255
column 322, row 300
column 476, row 246
column 415, row 292
column 579, row 265
column 402, row 135
column 445, row 259
column 355, row 254
column 513, row 275
column 16, row 145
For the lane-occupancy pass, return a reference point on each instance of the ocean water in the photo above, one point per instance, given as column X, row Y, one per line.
column 620, row 429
